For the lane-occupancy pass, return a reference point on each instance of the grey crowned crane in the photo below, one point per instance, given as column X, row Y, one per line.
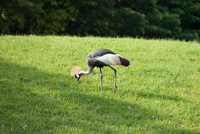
column 100, row 58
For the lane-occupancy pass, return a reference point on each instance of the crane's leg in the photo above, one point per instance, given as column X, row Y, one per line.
column 115, row 86
column 101, row 78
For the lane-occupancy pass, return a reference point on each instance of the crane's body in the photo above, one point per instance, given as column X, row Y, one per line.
column 100, row 58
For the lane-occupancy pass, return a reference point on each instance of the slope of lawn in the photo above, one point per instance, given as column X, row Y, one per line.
column 158, row 93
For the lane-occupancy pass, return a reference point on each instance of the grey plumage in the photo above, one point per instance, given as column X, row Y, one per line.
column 100, row 58
column 91, row 57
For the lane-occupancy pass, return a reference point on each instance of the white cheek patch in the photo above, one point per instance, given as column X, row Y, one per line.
column 77, row 76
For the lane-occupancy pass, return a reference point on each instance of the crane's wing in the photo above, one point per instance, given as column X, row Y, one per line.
column 99, row 53
column 92, row 57
column 105, row 57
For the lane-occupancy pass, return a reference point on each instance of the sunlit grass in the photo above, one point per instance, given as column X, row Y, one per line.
column 158, row 93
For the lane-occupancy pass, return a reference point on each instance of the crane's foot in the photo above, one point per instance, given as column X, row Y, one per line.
column 115, row 89
column 101, row 80
column 101, row 88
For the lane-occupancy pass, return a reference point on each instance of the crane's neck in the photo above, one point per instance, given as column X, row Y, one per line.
column 90, row 68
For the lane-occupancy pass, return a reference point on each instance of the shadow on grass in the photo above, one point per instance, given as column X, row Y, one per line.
column 35, row 101
column 159, row 96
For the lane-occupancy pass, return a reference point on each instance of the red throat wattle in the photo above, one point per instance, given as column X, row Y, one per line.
column 81, row 75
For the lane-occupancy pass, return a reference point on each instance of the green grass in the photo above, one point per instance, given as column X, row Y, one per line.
column 158, row 93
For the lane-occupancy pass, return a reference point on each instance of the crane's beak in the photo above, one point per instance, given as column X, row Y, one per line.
column 78, row 79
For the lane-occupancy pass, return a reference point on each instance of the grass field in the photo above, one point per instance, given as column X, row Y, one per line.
column 158, row 93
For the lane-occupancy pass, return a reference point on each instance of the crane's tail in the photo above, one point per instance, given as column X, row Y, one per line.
column 123, row 61
column 75, row 70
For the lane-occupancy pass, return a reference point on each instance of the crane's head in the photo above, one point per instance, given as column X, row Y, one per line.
column 78, row 76
column 75, row 72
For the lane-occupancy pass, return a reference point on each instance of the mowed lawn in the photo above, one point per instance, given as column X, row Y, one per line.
column 158, row 93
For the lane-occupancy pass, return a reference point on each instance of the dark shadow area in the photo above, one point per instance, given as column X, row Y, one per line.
column 159, row 96
column 35, row 101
